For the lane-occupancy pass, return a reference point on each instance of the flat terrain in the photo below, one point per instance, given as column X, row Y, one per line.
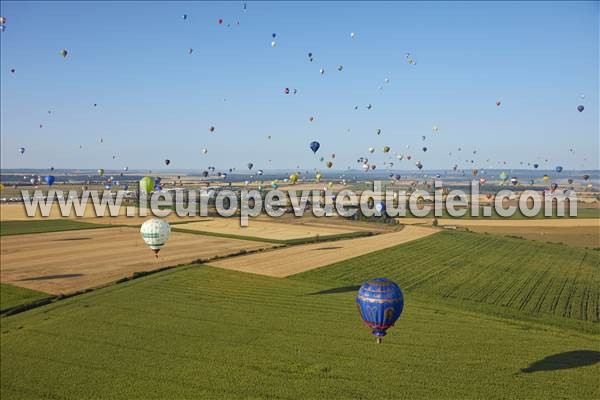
column 479, row 271
column 63, row 262
column 296, row 259
column 16, row 212
column 11, row 296
column 581, row 236
column 580, row 232
column 265, row 229
column 39, row 226
column 201, row 332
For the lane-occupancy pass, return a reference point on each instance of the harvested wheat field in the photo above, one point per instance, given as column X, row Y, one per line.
column 16, row 212
column 296, row 259
column 63, row 262
column 470, row 222
column 265, row 229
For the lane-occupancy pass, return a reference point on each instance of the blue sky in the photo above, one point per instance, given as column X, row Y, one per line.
column 155, row 101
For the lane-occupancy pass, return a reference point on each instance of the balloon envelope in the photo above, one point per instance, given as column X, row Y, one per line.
column 380, row 303
column 49, row 180
column 155, row 233
column 314, row 146
column 146, row 184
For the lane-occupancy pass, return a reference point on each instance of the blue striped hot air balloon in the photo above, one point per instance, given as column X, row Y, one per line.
column 380, row 303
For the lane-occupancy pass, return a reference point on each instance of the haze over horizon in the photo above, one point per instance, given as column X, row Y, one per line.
column 156, row 101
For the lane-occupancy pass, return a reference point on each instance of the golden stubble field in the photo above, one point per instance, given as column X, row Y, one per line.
column 265, row 229
column 64, row 262
column 293, row 260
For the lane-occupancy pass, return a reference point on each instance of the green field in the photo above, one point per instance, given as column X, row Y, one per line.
column 305, row 240
column 40, row 226
column 11, row 296
column 487, row 272
column 202, row 332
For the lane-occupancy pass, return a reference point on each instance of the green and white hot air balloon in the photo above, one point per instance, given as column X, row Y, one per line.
column 155, row 233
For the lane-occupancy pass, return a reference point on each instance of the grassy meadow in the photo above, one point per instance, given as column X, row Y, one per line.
column 11, row 296
column 203, row 332
column 41, row 226
column 507, row 276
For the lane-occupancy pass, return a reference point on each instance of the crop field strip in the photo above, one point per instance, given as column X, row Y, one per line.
column 65, row 262
column 204, row 332
column 292, row 260
column 527, row 276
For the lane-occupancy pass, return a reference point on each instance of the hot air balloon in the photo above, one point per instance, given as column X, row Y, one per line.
column 366, row 167
column 352, row 35
column 147, row 184
column 419, row 165
column 293, row 178
column 340, row 68
column 100, row 172
column 503, row 175
column 49, row 180
column 536, row 166
column 482, row 181
column 167, row 162
column 329, row 164
column 322, row 71
column 498, row 103
column 318, row 176
column 380, row 303
column 400, row 156
column 553, row 187
column 424, row 149
column 514, row 180
column 580, row 108
column 378, row 131
column 546, row 178
column 250, row 165
column 211, row 129
column 314, row 146
column 371, row 149
column 204, row 151
column 155, row 233
column 21, row 150
column 558, row 169
column 204, row 174
column 569, row 181
column 436, row 129
column 586, row 177
column 64, row 53
column 386, row 149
